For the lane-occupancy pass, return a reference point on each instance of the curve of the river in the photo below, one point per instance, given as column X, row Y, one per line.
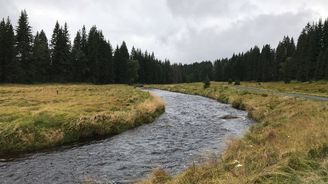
column 191, row 127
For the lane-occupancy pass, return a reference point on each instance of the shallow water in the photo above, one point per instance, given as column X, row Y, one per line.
column 190, row 129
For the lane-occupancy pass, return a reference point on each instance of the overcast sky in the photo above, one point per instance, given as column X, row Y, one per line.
column 180, row 30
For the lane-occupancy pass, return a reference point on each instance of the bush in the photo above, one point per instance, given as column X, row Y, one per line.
column 238, row 104
column 237, row 83
column 286, row 81
column 138, row 85
column 230, row 81
column 207, row 83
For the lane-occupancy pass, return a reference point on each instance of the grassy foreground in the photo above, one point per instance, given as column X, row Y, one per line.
column 34, row 117
column 289, row 144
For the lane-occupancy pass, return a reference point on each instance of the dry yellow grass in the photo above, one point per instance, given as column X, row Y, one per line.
column 289, row 144
column 38, row 116
column 309, row 88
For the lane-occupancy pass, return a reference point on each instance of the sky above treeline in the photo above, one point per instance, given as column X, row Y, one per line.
column 180, row 30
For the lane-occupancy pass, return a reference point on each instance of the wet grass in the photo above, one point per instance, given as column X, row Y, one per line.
column 34, row 117
column 288, row 144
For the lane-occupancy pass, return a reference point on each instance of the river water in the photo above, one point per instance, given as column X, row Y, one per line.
column 191, row 128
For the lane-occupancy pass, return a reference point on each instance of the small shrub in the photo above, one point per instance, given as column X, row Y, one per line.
column 207, row 83
column 237, row 83
column 223, row 99
column 287, row 81
column 230, row 81
column 238, row 104
column 321, row 152
column 138, row 85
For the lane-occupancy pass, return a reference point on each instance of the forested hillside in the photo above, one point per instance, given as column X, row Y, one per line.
column 28, row 58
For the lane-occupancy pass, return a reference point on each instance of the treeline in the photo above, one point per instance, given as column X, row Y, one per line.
column 27, row 58
column 306, row 61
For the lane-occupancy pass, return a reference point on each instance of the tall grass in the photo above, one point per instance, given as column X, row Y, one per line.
column 289, row 144
column 34, row 117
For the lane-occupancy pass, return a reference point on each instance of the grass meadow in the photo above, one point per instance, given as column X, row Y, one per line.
column 319, row 88
column 34, row 117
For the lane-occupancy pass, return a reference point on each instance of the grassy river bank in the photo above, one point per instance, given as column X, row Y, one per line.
column 34, row 117
column 288, row 144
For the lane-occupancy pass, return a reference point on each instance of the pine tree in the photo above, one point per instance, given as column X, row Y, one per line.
column 99, row 57
column 218, row 70
column 13, row 68
column 84, row 40
column 133, row 67
column 322, row 58
column 54, row 52
column 54, row 38
column 285, row 49
column 8, row 66
column 315, row 47
column 80, row 69
column 286, row 70
column 267, row 64
column 41, row 58
column 301, row 56
column 116, row 62
column 61, row 65
column 121, row 59
column 322, row 66
column 2, row 54
column 24, row 40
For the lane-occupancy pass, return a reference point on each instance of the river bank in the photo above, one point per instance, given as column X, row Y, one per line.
column 36, row 117
column 192, row 128
column 287, row 145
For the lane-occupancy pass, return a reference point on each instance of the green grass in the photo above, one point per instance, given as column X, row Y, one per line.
column 288, row 144
column 34, row 117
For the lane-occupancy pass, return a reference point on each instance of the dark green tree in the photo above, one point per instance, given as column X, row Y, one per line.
column 99, row 57
column 61, row 65
column 24, row 40
column 41, row 58
column 9, row 68
column 267, row 64
column 285, row 49
column 79, row 59
column 121, row 60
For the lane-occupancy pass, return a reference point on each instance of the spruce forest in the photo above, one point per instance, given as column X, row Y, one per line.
column 90, row 58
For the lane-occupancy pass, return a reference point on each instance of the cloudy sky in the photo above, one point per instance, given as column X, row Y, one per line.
column 180, row 30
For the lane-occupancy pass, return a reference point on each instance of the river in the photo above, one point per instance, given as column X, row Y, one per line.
column 191, row 128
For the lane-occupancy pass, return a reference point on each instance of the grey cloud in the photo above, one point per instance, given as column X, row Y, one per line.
column 241, row 36
column 205, row 8
column 197, row 8
column 180, row 30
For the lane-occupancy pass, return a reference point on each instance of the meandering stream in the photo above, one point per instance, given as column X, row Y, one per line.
column 190, row 128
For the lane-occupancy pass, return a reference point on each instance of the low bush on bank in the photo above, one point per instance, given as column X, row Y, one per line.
column 40, row 116
column 287, row 145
